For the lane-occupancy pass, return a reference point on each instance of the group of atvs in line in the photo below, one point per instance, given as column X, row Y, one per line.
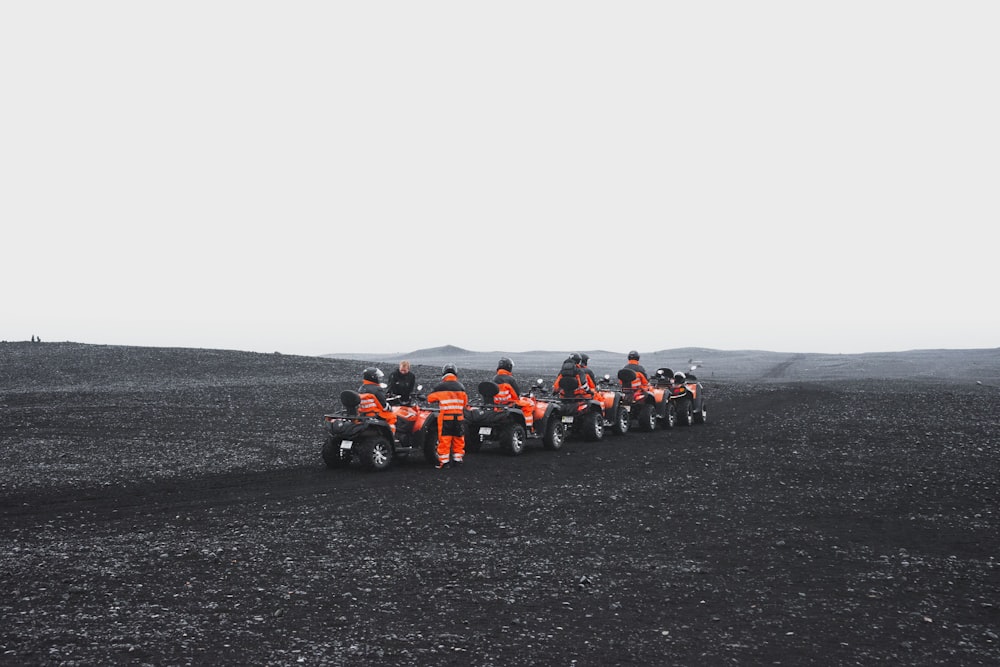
column 670, row 399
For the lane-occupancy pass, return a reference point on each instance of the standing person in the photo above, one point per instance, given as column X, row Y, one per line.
column 450, row 395
column 641, row 377
column 402, row 381
column 510, row 392
column 373, row 400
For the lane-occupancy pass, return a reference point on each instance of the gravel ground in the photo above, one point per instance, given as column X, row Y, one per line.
column 170, row 507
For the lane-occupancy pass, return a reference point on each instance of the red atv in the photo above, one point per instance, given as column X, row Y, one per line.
column 504, row 424
column 370, row 439
column 688, row 395
column 416, row 426
column 649, row 406
column 613, row 399
column 581, row 415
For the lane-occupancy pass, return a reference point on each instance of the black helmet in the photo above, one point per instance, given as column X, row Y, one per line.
column 633, row 355
column 679, row 377
column 576, row 357
column 505, row 364
column 373, row 374
column 449, row 368
column 584, row 358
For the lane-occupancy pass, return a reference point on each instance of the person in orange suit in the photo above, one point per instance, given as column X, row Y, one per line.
column 584, row 360
column 510, row 392
column 453, row 401
column 587, row 387
column 641, row 380
column 373, row 399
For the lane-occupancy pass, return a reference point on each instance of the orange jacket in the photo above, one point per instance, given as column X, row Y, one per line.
column 587, row 385
column 508, row 387
column 372, row 398
column 374, row 403
column 450, row 395
column 641, row 380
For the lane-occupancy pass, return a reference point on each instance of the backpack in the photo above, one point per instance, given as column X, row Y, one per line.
column 570, row 373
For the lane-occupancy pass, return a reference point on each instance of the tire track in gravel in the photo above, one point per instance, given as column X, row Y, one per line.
column 779, row 371
column 176, row 495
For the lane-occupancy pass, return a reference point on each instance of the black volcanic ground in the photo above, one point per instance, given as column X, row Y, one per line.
column 170, row 506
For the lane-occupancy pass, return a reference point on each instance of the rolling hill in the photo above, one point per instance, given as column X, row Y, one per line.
column 982, row 365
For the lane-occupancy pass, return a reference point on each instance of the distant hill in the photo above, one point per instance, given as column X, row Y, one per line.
column 973, row 365
column 26, row 366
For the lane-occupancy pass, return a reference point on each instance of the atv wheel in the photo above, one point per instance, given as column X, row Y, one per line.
column 647, row 418
column 701, row 416
column 593, row 426
column 555, row 433
column 685, row 415
column 670, row 418
column 431, row 443
column 333, row 456
column 375, row 453
column 473, row 441
column 512, row 440
column 621, row 422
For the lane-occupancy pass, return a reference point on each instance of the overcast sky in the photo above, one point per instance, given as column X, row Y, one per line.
column 321, row 177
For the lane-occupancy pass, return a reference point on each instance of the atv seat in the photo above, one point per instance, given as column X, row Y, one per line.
column 351, row 400
column 626, row 376
column 664, row 376
column 488, row 390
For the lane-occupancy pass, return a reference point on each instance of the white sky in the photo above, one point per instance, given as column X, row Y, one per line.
column 786, row 176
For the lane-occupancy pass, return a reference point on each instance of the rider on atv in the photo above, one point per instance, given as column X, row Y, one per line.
column 373, row 399
column 584, row 360
column 510, row 392
column 575, row 379
column 641, row 380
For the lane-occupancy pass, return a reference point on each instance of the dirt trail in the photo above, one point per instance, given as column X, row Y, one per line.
column 780, row 371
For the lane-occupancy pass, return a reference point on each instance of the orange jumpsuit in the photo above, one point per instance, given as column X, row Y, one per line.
column 641, row 380
column 374, row 403
column 450, row 395
column 587, row 385
column 509, row 393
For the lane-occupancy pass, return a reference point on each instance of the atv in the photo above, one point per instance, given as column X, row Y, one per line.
column 504, row 424
column 688, row 395
column 582, row 416
column 649, row 406
column 416, row 425
column 370, row 440
column 617, row 414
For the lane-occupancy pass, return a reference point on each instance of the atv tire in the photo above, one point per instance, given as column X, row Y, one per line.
column 685, row 414
column 622, row 420
column 647, row 418
column 701, row 416
column 555, row 433
column 593, row 426
column 670, row 416
column 375, row 453
column 512, row 439
column 332, row 454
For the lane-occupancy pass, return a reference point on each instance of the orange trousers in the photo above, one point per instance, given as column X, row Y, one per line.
column 451, row 439
column 528, row 409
